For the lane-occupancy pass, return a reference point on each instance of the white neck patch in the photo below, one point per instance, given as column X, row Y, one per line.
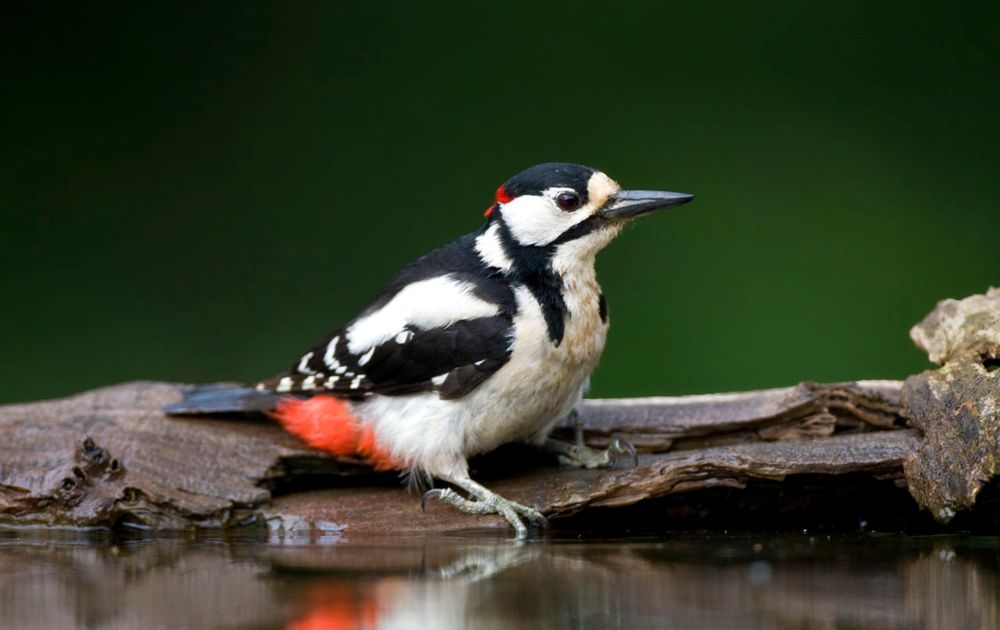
column 490, row 249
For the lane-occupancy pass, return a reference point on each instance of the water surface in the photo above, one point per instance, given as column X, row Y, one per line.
column 104, row 580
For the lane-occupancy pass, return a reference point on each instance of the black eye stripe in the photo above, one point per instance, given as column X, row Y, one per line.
column 568, row 201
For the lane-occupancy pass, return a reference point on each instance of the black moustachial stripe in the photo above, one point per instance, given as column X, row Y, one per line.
column 579, row 230
column 533, row 267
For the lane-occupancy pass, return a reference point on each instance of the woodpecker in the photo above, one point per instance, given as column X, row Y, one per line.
column 487, row 340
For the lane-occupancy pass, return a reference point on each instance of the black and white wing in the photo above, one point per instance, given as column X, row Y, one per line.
column 443, row 333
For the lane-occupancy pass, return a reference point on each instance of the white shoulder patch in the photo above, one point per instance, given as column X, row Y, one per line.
column 431, row 303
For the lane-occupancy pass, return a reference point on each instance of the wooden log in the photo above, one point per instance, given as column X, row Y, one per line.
column 109, row 457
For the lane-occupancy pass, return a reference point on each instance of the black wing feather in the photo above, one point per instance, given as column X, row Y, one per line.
column 462, row 354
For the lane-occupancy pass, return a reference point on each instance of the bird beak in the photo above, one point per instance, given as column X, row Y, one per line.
column 630, row 204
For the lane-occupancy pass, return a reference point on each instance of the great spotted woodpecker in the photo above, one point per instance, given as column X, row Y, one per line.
column 487, row 340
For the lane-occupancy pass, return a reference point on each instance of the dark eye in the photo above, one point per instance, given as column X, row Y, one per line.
column 568, row 201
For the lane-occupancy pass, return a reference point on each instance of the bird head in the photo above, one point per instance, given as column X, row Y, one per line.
column 555, row 203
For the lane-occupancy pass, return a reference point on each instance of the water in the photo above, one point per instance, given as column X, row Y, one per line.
column 476, row 580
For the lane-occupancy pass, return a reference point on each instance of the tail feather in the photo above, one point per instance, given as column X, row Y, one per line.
column 221, row 399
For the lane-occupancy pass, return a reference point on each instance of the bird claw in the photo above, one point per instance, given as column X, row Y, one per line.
column 434, row 493
column 578, row 454
column 619, row 446
column 488, row 503
column 582, row 456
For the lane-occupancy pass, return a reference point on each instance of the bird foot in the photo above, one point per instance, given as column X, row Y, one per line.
column 579, row 455
column 487, row 502
column 582, row 456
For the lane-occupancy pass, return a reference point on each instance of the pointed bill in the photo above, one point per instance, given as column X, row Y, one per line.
column 630, row 204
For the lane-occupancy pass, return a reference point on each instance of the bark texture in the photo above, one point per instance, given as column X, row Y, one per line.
column 110, row 457
column 957, row 406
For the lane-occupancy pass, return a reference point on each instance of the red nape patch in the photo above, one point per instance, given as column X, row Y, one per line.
column 502, row 197
column 326, row 423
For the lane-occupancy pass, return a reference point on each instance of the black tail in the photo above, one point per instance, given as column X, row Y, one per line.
column 223, row 399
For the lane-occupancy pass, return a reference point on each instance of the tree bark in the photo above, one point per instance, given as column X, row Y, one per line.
column 110, row 457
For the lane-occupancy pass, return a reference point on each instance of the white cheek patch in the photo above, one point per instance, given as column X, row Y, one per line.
column 535, row 220
column 432, row 303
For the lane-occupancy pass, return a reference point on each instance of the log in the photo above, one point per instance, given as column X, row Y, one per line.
column 109, row 458
column 956, row 406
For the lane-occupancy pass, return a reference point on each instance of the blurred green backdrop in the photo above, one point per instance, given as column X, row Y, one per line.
column 197, row 192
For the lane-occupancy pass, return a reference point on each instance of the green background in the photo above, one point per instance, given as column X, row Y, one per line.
column 198, row 193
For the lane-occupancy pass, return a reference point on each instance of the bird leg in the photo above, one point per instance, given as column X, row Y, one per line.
column 578, row 454
column 485, row 501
